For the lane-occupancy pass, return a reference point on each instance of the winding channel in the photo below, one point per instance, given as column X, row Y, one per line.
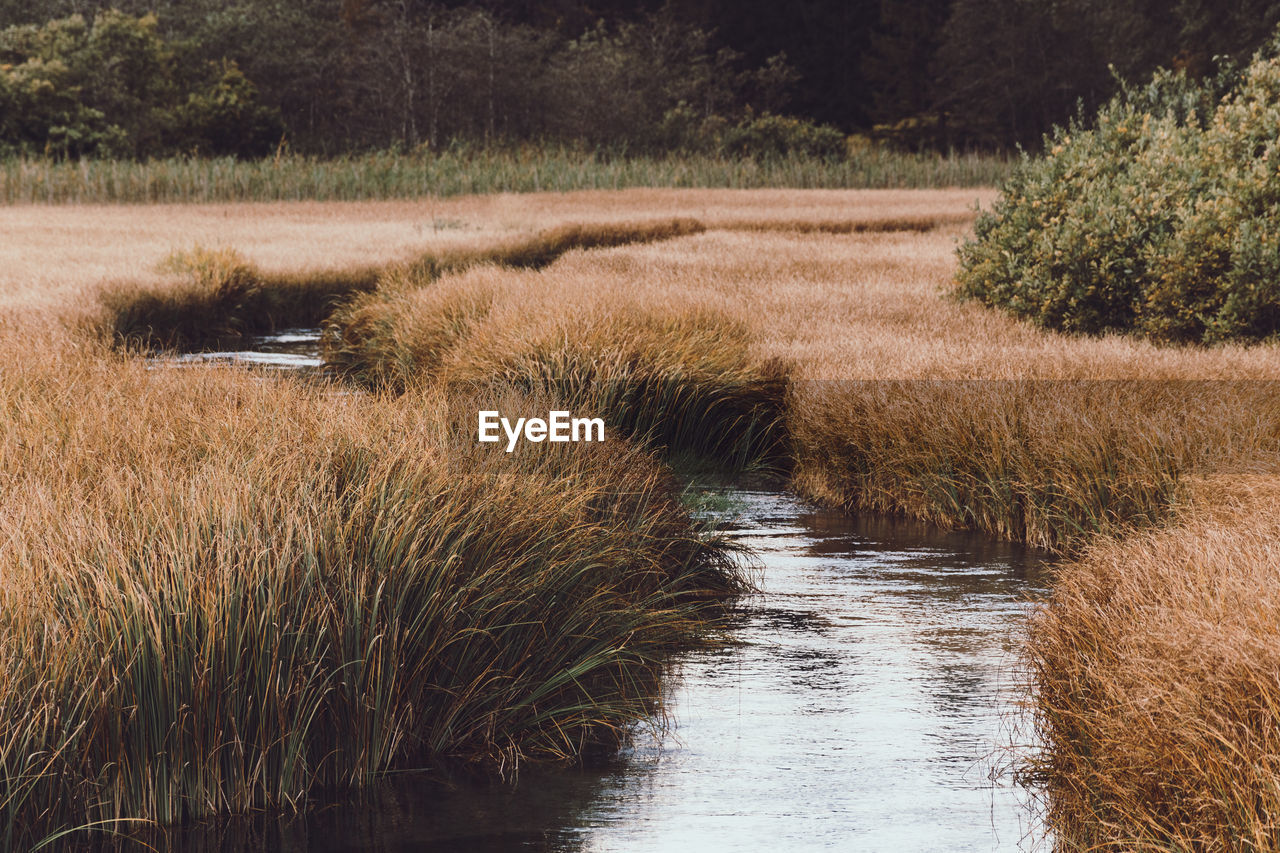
column 866, row 701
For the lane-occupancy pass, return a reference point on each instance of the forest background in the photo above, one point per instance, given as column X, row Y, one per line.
column 158, row 78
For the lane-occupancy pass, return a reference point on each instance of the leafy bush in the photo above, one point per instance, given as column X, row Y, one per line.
column 225, row 118
column 763, row 136
column 114, row 87
column 1162, row 218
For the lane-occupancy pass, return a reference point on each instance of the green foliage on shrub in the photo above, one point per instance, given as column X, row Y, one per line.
column 1161, row 217
column 764, row 136
column 224, row 118
column 115, row 87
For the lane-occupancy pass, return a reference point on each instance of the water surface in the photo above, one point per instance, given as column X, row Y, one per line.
column 289, row 349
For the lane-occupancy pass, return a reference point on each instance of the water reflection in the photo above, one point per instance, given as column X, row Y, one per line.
column 290, row 349
column 860, row 708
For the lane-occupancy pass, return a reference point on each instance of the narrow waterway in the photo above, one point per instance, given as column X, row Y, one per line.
column 864, row 703
column 289, row 349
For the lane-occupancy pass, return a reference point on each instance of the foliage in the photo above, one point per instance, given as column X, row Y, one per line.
column 1159, row 218
column 765, row 136
column 115, row 87
column 374, row 74
column 225, row 118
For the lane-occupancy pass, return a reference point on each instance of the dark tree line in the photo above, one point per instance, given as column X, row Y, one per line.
column 144, row 77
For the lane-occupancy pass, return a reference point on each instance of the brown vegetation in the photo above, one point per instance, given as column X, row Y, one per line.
column 224, row 590
column 898, row 399
column 1157, row 687
column 821, row 319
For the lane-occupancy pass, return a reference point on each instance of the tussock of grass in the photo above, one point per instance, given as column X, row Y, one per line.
column 1050, row 463
column 683, row 378
column 222, row 593
column 211, row 295
column 1157, row 672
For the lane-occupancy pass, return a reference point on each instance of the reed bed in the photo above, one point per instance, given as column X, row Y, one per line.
column 1157, row 689
column 224, row 591
column 213, row 295
column 469, row 172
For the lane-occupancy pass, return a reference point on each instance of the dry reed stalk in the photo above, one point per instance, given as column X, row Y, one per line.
column 1156, row 664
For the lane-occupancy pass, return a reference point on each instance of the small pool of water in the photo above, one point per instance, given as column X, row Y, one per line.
column 863, row 705
column 290, row 349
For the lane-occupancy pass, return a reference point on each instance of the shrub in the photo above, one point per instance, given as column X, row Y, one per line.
column 1158, row 219
column 762, row 137
column 225, row 119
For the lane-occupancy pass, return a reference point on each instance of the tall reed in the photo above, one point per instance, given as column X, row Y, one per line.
column 223, row 592
column 466, row 172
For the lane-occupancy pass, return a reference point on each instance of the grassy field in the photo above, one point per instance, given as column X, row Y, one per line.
column 809, row 334
column 461, row 172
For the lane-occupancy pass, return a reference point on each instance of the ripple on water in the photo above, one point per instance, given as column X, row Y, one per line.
column 290, row 349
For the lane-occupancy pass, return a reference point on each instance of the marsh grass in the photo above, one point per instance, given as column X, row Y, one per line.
column 212, row 295
column 1154, row 662
column 1156, row 653
column 681, row 380
column 469, row 172
column 232, row 593
column 1052, row 463
column 697, row 345
column 1156, row 687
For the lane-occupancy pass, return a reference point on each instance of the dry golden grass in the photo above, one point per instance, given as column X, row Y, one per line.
column 223, row 591
column 989, row 422
column 1158, row 684
column 821, row 318
column 52, row 254
column 872, row 306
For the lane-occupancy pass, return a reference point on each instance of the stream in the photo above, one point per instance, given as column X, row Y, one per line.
column 288, row 349
column 863, row 703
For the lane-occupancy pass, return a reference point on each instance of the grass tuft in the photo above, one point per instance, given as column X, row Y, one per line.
column 1157, row 688
column 231, row 593
column 685, row 380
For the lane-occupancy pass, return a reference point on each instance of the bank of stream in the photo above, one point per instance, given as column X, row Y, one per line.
column 863, row 702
